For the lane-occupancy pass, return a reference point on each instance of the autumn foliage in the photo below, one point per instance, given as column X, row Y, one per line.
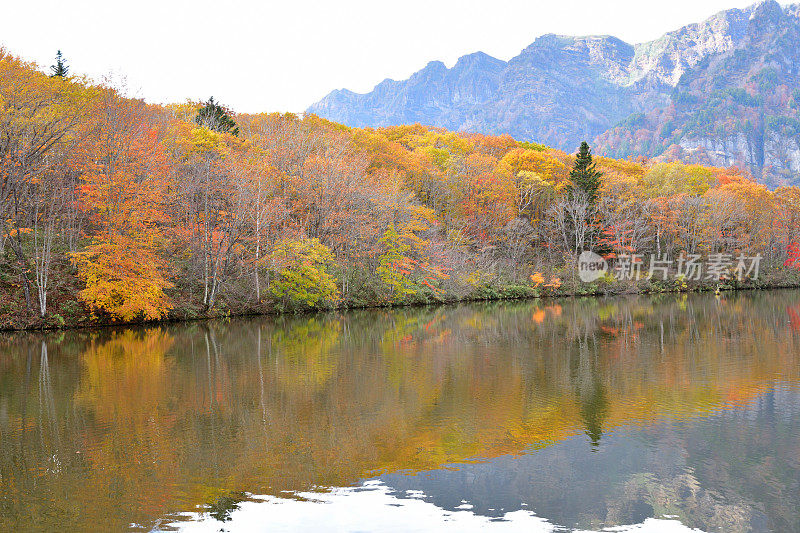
column 115, row 209
column 123, row 279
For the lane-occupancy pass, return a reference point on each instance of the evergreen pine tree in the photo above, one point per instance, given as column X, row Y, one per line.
column 60, row 69
column 584, row 175
column 216, row 117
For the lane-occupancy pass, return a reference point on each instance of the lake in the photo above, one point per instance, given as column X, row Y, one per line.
column 662, row 413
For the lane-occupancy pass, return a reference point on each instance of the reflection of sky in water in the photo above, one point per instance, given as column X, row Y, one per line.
column 667, row 476
column 374, row 507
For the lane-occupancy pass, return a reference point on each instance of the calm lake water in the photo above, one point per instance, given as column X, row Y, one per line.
column 633, row 414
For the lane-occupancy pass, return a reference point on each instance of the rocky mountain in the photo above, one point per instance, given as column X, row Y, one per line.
column 725, row 91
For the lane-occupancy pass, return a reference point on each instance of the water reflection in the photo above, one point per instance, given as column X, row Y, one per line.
column 736, row 470
column 582, row 413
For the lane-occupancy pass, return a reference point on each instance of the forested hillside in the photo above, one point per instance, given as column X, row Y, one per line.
column 115, row 210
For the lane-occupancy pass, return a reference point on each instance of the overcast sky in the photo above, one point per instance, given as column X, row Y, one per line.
column 283, row 56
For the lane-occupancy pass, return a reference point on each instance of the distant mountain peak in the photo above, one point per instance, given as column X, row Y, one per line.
column 766, row 7
column 477, row 58
column 435, row 65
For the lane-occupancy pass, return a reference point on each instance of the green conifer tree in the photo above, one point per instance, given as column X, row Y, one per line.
column 584, row 175
column 217, row 117
column 60, row 69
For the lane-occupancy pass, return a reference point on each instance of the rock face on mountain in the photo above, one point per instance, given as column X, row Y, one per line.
column 736, row 103
column 725, row 91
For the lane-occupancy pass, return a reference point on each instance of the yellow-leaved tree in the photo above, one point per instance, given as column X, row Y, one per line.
column 123, row 278
column 396, row 266
column 302, row 276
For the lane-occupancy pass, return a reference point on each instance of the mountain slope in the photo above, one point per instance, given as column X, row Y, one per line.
column 724, row 91
column 739, row 106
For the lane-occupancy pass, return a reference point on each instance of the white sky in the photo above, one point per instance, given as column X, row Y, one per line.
column 285, row 55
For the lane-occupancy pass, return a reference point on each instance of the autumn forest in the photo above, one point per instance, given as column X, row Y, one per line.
column 116, row 210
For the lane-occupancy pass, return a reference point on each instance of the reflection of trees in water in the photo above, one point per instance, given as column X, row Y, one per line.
column 162, row 416
column 594, row 408
column 262, row 396
column 212, row 370
column 590, row 391
column 47, row 407
column 734, row 471
column 221, row 508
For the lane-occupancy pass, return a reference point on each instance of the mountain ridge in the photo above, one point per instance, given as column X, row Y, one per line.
column 648, row 99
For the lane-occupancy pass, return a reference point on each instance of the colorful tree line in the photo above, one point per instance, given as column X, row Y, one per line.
column 114, row 209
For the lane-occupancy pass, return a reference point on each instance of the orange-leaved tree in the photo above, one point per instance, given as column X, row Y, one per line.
column 122, row 192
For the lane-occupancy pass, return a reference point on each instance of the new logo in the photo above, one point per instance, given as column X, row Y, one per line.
column 591, row 267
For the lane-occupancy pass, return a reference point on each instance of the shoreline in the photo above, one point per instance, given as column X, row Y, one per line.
column 698, row 288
